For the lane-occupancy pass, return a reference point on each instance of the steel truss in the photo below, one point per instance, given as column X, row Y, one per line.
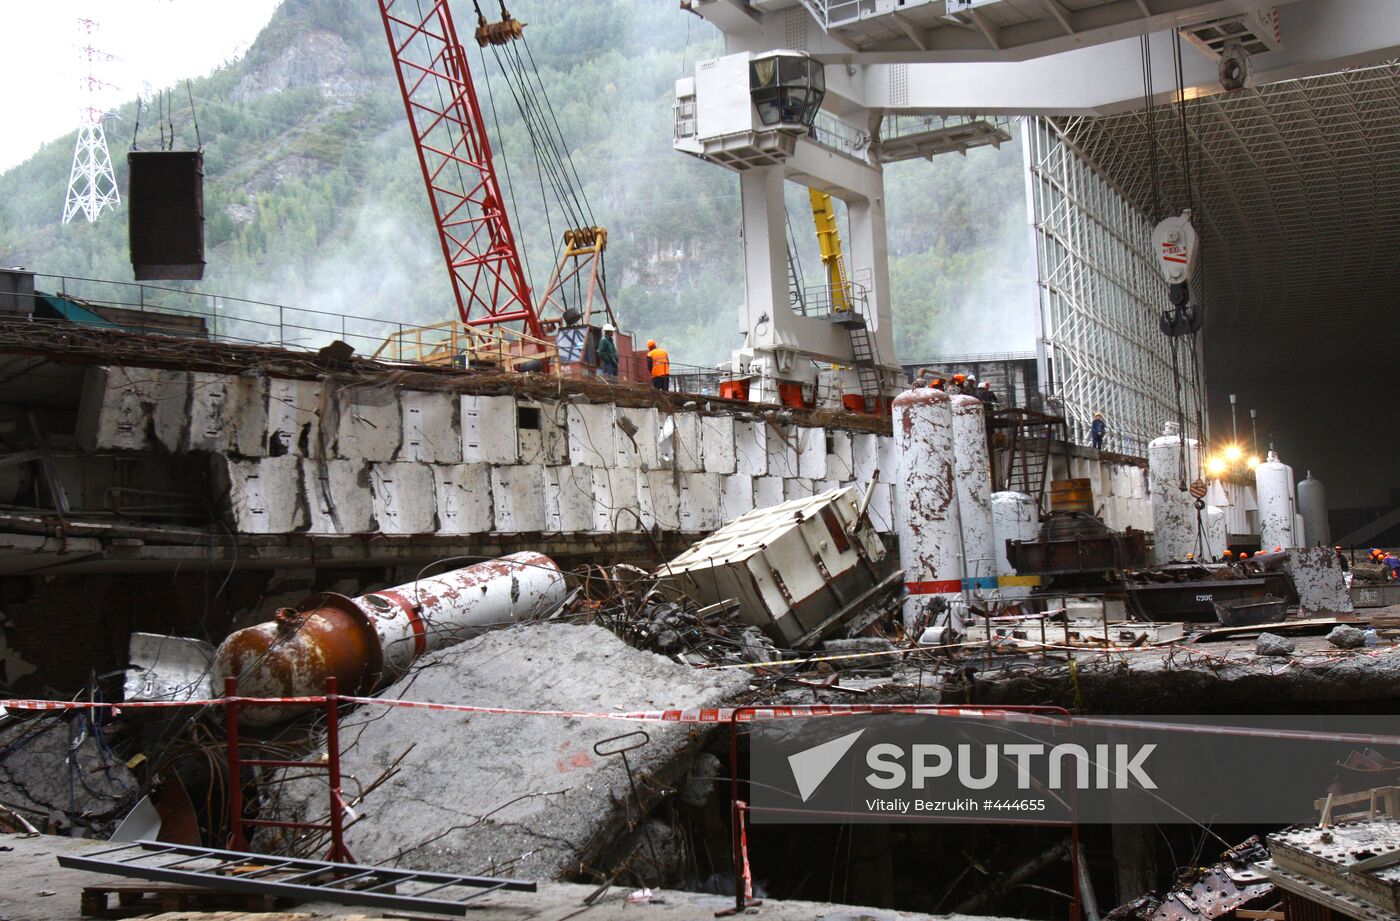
column 1297, row 197
column 1100, row 296
column 454, row 152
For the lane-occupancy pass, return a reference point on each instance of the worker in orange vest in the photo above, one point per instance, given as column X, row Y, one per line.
column 660, row 364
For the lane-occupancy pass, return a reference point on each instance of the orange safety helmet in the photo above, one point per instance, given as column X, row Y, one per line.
column 651, row 343
column 1244, row 555
column 1228, row 554
column 1278, row 549
column 959, row 378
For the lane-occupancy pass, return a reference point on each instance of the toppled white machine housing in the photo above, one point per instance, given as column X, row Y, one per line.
column 799, row 570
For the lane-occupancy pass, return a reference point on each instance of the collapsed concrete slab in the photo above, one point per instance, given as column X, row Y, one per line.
column 522, row 796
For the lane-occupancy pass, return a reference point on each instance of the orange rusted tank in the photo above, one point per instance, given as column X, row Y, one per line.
column 370, row 641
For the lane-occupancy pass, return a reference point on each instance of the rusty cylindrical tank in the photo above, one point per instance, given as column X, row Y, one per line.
column 1174, row 531
column 1273, row 484
column 972, row 475
column 370, row 641
column 926, row 513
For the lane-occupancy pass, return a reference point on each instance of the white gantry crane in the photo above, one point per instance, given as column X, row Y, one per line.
column 825, row 92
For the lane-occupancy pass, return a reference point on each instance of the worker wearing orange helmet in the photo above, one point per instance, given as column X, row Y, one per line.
column 659, row 363
column 956, row 386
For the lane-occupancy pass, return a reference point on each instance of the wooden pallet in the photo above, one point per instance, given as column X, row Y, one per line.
column 138, row 899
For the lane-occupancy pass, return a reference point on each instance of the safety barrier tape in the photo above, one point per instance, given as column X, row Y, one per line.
column 1042, row 716
column 675, row 715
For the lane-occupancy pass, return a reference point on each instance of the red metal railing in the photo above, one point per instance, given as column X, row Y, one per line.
column 238, row 824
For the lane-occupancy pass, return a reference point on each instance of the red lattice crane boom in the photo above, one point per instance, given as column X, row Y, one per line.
column 454, row 151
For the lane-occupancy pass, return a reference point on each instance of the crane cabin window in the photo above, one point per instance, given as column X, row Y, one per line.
column 787, row 89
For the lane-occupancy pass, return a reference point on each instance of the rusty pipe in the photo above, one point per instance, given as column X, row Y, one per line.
column 370, row 641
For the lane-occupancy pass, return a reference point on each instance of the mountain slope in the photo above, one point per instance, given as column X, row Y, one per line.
column 313, row 196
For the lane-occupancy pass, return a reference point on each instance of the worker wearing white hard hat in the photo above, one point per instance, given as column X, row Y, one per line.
column 607, row 352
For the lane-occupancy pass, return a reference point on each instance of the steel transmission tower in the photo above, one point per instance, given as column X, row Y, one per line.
column 92, row 186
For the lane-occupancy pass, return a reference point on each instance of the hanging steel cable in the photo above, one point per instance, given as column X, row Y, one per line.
column 580, row 274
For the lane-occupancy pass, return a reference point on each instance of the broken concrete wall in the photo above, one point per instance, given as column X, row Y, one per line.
column 463, row 498
column 592, row 434
column 369, row 424
column 751, row 447
column 767, row 491
column 568, row 493
column 294, row 417
column 736, row 496
column 658, row 500
column 264, row 496
column 488, row 426
column 404, row 497
column 840, row 465
column 780, row 444
column 686, row 439
column 810, row 445
column 544, row 438
column 717, row 444
column 700, row 502
column 429, row 428
column 338, row 496
column 519, row 796
column 228, row 414
column 408, row 462
column 518, row 494
column 616, row 508
column 133, row 409
column 637, row 438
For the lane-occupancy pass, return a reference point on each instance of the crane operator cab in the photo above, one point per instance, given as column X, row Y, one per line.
column 745, row 110
column 787, row 88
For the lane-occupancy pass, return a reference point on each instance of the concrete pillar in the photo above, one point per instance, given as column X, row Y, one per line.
column 764, row 229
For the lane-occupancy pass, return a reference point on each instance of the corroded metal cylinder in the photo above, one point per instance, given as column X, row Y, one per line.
column 370, row 641
column 972, row 478
column 926, row 515
column 1273, row 482
column 1014, row 517
column 1075, row 495
column 1174, row 531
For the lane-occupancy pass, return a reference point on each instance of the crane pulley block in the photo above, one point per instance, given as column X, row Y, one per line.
column 507, row 30
column 1176, row 244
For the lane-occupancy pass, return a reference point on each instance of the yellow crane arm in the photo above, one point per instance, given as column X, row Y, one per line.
column 829, row 242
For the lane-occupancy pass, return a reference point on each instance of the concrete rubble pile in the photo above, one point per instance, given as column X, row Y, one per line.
column 523, row 796
column 58, row 774
column 1208, row 892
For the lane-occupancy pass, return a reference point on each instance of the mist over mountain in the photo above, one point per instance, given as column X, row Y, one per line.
column 313, row 195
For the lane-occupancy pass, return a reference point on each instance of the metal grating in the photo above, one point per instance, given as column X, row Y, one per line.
column 1100, row 296
column 294, row 878
column 1298, row 204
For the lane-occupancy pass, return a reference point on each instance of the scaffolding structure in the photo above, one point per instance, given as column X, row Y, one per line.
column 1100, row 295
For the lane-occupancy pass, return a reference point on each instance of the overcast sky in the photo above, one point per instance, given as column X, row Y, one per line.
column 155, row 42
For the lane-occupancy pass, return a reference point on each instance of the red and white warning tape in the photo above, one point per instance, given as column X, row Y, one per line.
column 676, row 715
column 1044, row 716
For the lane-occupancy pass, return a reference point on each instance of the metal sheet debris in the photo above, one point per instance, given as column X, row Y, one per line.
column 798, row 570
